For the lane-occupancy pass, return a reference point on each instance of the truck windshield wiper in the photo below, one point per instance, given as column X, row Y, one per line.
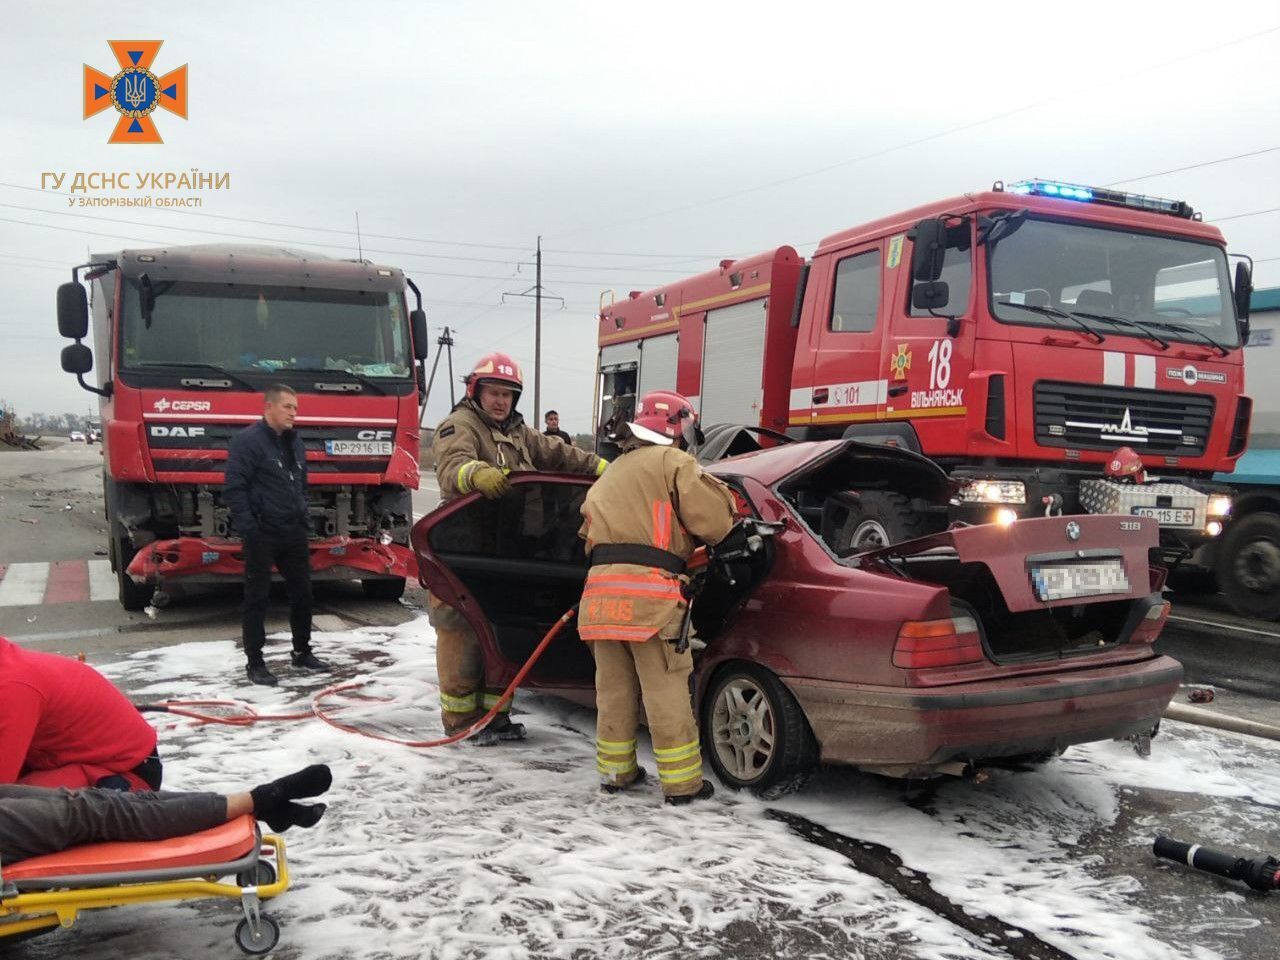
column 369, row 382
column 1147, row 331
column 1183, row 328
column 1062, row 314
column 183, row 364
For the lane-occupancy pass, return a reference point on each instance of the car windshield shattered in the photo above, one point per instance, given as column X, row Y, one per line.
column 253, row 328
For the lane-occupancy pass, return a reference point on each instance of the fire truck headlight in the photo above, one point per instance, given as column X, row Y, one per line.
column 1213, row 527
column 993, row 491
column 1219, row 505
column 1005, row 516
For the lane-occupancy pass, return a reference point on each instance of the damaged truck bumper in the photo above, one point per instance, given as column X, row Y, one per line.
column 197, row 559
column 915, row 732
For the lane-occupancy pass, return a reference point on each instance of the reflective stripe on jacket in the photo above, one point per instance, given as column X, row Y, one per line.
column 657, row 496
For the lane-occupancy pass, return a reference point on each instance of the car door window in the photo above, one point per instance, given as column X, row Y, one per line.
column 535, row 521
column 856, row 301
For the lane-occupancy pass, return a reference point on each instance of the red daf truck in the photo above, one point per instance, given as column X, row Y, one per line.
column 1017, row 336
column 187, row 339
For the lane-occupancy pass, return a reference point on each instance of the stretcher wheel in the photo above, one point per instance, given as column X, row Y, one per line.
column 268, row 936
column 262, row 875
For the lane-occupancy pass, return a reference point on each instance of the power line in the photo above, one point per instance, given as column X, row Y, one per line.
column 614, row 224
column 1241, row 216
column 1193, row 166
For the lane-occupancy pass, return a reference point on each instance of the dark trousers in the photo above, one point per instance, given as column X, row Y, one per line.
column 290, row 555
column 39, row 820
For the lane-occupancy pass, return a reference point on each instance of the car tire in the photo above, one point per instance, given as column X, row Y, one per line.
column 756, row 736
column 1249, row 565
column 389, row 589
column 882, row 519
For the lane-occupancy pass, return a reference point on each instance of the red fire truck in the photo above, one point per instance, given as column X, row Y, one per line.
column 187, row 339
column 1017, row 336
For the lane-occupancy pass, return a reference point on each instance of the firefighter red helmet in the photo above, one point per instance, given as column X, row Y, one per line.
column 662, row 416
column 1125, row 464
column 498, row 369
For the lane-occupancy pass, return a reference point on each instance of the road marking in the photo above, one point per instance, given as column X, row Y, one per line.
column 102, row 582
column 24, row 584
column 1225, row 626
column 68, row 581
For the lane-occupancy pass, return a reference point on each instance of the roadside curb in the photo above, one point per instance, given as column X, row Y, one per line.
column 1207, row 718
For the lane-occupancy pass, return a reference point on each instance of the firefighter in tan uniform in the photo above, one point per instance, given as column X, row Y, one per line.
column 643, row 520
column 476, row 446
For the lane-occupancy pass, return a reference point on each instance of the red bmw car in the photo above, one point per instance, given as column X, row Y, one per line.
column 981, row 645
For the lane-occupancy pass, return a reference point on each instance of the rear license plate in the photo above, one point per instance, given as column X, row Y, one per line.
column 1168, row 516
column 358, row 448
column 1062, row 582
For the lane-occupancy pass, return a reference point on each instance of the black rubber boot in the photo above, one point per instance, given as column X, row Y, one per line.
column 641, row 774
column 708, row 790
column 306, row 660
column 273, row 802
column 499, row 729
column 259, row 674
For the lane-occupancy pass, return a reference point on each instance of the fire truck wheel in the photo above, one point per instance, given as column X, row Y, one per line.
column 132, row 596
column 1249, row 565
column 882, row 519
column 755, row 733
column 390, row 589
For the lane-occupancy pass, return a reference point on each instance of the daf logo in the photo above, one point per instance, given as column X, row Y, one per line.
column 373, row 434
column 1073, row 531
column 177, row 430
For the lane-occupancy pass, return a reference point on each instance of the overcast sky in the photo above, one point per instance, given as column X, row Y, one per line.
column 642, row 141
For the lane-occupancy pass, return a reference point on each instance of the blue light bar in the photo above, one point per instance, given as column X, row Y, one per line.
column 1058, row 190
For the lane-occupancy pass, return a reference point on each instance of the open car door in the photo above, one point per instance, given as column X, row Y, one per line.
column 512, row 566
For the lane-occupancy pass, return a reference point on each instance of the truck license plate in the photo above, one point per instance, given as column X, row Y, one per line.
column 358, row 448
column 1168, row 516
column 1062, row 582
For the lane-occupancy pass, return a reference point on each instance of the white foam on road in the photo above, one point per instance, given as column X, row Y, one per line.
column 24, row 584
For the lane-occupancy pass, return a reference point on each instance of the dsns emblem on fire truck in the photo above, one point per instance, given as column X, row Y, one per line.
column 135, row 91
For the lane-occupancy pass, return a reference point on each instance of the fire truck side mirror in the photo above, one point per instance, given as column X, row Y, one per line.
column 1243, row 293
column 77, row 359
column 928, row 248
column 930, row 296
column 418, row 327
column 73, row 311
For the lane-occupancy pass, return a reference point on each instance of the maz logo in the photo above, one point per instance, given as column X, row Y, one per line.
column 1125, row 428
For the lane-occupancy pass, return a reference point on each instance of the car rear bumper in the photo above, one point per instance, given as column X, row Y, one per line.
column 913, row 731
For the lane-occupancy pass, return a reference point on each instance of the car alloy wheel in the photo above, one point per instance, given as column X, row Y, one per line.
column 743, row 728
column 757, row 735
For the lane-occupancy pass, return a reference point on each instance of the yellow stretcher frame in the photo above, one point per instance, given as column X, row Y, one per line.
column 45, row 909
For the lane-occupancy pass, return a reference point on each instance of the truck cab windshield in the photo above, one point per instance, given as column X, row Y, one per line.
column 1180, row 287
column 253, row 328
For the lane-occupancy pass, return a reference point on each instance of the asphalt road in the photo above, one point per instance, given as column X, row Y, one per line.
column 56, row 595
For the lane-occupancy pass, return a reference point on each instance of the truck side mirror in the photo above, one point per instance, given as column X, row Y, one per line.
column 928, row 248
column 418, row 327
column 1243, row 292
column 932, row 295
column 77, row 358
column 73, row 311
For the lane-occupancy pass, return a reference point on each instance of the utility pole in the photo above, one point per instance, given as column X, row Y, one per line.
column 536, row 292
column 445, row 341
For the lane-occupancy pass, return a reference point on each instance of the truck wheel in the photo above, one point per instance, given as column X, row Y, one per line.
column 883, row 518
column 390, row 589
column 133, row 596
column 1249, row 565
column 1189, row 581
column 755, row 734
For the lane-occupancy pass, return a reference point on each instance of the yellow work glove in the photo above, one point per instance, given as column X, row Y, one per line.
column 490, row 481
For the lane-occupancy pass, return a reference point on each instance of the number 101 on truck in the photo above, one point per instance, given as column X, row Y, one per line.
column 1019, row 337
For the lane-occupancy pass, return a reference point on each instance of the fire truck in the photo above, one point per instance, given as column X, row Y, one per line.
column 1017, row 336
column 187, row 339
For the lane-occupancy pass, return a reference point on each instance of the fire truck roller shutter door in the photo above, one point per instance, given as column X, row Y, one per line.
column 733, row 364
column 658, row 364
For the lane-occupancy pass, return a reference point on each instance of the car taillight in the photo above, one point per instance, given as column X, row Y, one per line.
column 937, row 643
column 1149, row 626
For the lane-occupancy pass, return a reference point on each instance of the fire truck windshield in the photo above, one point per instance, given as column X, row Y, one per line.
column 252, row 328
column 1179, row 287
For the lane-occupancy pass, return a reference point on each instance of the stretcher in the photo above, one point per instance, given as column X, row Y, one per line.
column 43, row 893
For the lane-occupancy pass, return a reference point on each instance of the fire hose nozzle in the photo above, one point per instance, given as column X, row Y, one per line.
column 1260, row 873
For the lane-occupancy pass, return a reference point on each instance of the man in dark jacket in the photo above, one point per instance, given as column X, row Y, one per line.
column 553, row 427
column 266, row 489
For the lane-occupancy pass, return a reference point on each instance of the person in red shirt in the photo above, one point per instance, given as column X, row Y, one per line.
column 63, row 724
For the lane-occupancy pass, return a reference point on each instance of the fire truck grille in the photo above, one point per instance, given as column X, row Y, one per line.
column 1089, row 417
